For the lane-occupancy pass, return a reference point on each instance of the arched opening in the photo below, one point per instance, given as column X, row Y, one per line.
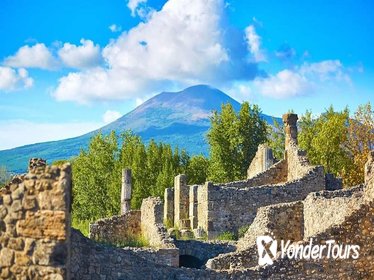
column 190, row 261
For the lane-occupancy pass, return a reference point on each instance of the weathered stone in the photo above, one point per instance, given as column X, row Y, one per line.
column 7, row 199
column 29, row 202
column 43, row 223
column 6, row 257
column 16, row 243
column 3, row 211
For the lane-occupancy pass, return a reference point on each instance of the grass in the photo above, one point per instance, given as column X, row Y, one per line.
column 227, row 235
column 130, row 241
column 168, row 223
column 82, row 226
column 242, row 230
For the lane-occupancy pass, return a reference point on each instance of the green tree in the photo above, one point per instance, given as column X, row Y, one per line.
column 197, row 171
column 360, row 142
column 324, row 139
column 233, row 140
column 92, row 178
column 276, row 139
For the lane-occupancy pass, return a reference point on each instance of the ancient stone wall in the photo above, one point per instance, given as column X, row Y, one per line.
column 261, row 162
column 325, row 209
column 163, row 256
column 275, row 174
column 283, row 220
column 152, row 226
column 193, row 206
column 35, row 224
column 181, row 199
column 230, row 208
column 117, row 229
column 204, row 250
column 169, row 206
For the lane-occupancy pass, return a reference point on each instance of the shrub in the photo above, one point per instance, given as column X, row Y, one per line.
column 227, row 235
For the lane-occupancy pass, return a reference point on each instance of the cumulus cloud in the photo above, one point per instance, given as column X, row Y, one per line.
column 254, row 44
column 36, row 56
column 11, row 79
column 110, row 116
column 115, row 28
column 84, row 56
column 301, row 80
column 136, row 6
column 183, row 43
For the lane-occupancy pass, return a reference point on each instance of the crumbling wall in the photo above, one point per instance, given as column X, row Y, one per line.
column 181, row 199
column 230, row 208
column 282, row 221
column 35, row 224
column 151, row 223
column 261, row 161
column 325, row 209
column 117, row 229
column 169, row 206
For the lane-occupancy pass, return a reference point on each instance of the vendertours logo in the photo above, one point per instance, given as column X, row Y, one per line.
column 267, row 250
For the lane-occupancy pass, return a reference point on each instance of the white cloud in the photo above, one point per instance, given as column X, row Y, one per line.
column 115, row 28
column 182, row 43
column 301, row 80
column 22, row 132
column 11, row 79
column 254, row 44
column 134, row 6
column 36, row 56
column 84, row 56
column 110, row 116
column 285, row 83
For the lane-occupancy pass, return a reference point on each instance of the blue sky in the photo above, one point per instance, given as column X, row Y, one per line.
column 68, row 67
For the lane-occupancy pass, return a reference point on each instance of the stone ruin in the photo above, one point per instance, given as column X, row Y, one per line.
column 288, row 199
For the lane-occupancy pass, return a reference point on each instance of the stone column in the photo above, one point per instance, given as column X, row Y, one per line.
column 169, row 207
column 290, row 127
column 125, row 191
column 193, row 206
column 181, row 199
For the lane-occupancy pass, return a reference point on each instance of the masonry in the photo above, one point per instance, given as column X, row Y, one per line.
column 35, row 224
column 212, row 209
column 37, row 242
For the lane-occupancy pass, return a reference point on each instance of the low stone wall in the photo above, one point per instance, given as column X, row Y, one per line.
column 356, row 229
column 152, row 226
column 163, row 256
column 35, row 224
column 229, row 208
column 283, row 221
column 204, row 250
column 325, row 209
column 91, row 260
column 117, row 229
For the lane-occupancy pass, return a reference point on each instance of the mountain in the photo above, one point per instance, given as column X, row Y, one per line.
column 178, row 118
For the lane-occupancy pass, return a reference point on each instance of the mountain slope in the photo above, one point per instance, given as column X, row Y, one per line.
column 178, row 118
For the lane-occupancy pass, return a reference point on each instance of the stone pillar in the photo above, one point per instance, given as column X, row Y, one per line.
column 193, row 206
column 181, row 199
column 125, row 191
column 290, row 127
column 169, row 207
